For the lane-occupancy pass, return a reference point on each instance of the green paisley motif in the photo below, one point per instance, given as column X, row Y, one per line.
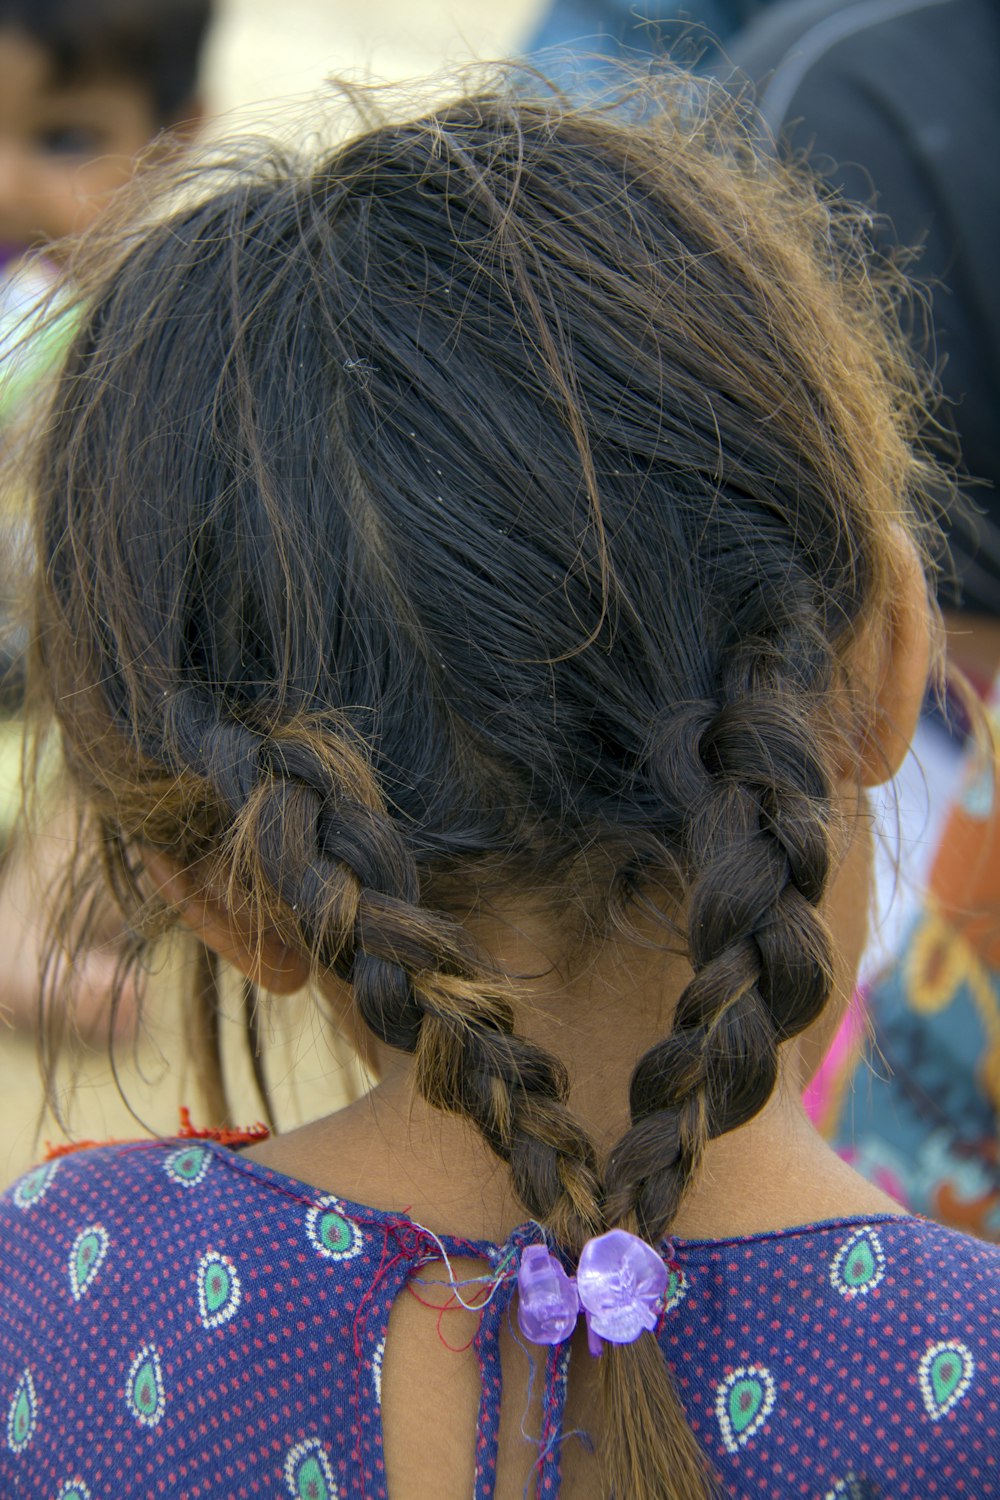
column 859, row 1264
column 219, row 1289
column 22, row 1414
column 187, row 1165
column 32, row 1188
column 331, row 1232
column 144, row 1388
column 308, row 1474
column 676, row 1289
column 86, row 1258
column 945, row 1374
column 743, row 1403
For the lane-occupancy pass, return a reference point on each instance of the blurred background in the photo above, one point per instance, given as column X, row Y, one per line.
column 262, row 51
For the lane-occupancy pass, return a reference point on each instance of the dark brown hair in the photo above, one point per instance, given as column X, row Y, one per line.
column 491, row 502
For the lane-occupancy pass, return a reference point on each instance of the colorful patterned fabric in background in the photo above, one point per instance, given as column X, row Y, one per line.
column 31, row 346
column 177, row 1321
column 917, row 1108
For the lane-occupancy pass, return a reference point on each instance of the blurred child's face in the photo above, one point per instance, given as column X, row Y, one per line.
column 64, row 146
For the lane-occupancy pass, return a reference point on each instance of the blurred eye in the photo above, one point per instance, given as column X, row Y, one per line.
column 71, row 140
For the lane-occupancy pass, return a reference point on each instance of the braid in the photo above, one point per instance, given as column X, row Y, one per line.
column 747, row 787
column 756, row 844
column 308, row 823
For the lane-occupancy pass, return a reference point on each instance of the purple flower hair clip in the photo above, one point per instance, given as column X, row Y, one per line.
column 547, row 1301
column 619, row 1284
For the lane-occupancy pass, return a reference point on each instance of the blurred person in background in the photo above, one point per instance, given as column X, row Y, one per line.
column 87, row 87
column 898, row 106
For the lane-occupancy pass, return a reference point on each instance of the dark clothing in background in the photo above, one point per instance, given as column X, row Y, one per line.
column 627, row 28
column 898, row 103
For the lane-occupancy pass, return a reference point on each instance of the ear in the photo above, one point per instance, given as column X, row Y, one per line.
column 902, row 666
column 261, row 956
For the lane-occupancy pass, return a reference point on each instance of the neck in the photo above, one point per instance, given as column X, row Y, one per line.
column 774, row 1172
column 392, row 1150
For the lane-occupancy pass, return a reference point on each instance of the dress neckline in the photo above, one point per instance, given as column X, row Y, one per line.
column 489, row 1250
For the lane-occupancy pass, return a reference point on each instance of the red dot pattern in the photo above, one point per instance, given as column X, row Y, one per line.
column 297, row 1364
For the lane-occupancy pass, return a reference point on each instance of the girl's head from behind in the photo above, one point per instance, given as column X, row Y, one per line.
column 502, row 502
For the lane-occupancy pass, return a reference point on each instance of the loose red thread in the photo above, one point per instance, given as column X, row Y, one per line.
column 68, row 1148
column 411, row 1246
column 229, row 1136
column 452, row 1305
column 245, row 1135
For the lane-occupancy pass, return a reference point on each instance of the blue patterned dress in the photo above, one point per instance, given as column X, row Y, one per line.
column 177, row 1321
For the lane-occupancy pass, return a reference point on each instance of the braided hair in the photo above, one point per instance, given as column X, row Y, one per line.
column 491, row 502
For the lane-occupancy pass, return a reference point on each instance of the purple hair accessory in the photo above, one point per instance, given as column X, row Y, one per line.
column 547, row 1301
column 594, row 1341
column 620, row 1282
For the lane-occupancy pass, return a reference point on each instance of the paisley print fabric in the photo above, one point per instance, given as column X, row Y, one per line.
column 177, row 1321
